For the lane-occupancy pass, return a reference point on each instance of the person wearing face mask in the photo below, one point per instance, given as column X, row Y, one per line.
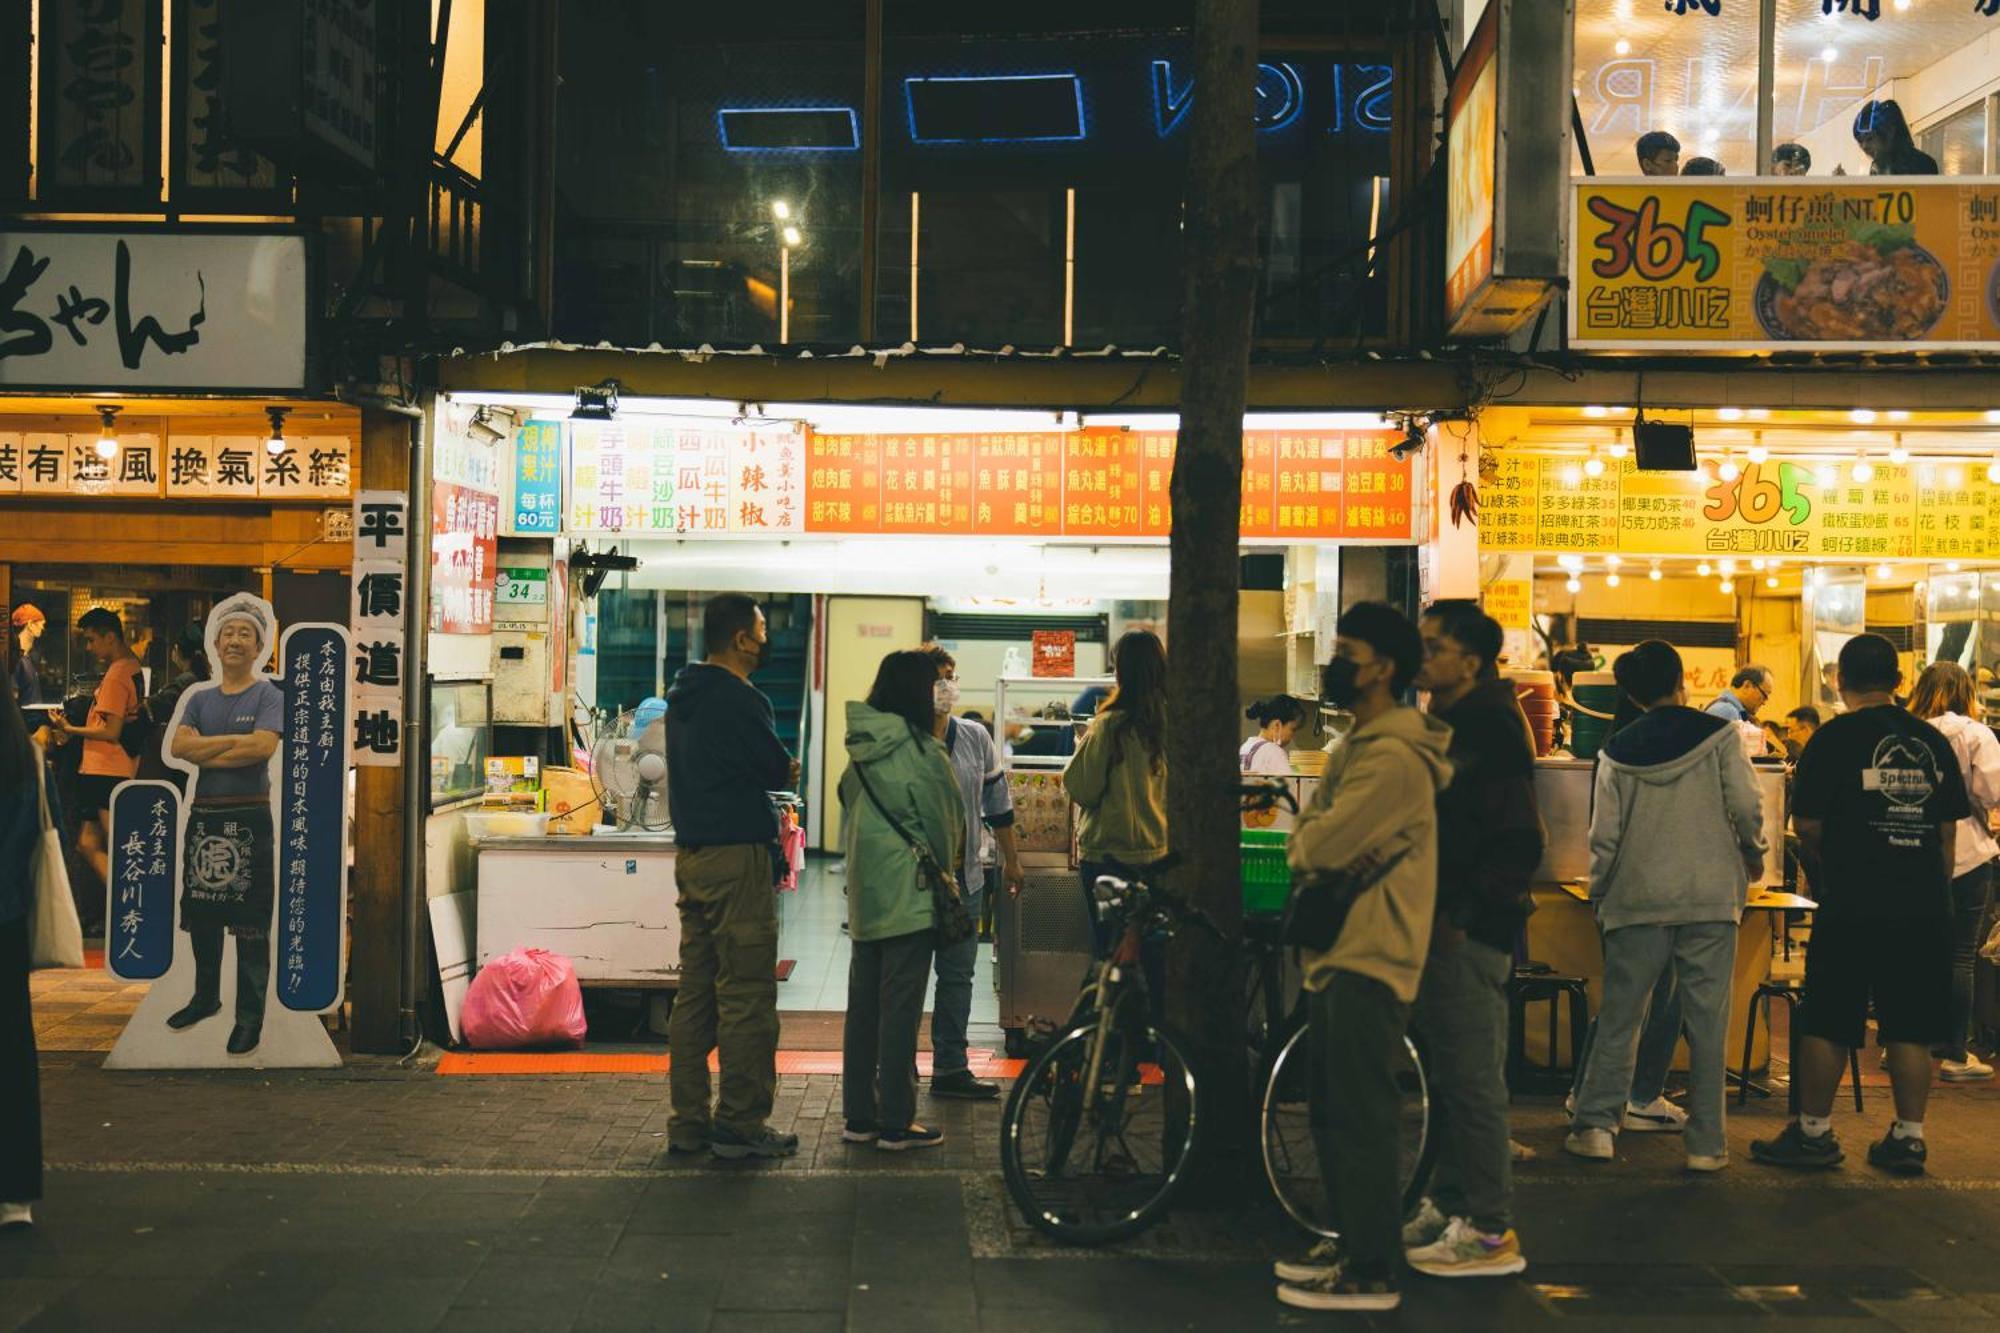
column 1676, row 838
column 989, row 826
column 1372, row 824
column 723, row 758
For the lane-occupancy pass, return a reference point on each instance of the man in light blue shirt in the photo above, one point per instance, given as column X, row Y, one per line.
column 989, row 811
column 1749, row 690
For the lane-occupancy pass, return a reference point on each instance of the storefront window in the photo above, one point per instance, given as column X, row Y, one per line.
column 1958, row 142
column 461, row 738
column 1645, row 68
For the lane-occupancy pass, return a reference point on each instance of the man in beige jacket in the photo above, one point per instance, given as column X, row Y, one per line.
column 1375, row 816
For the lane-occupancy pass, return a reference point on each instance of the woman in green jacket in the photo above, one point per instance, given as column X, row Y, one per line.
column 1118, row 775
column 897, row 771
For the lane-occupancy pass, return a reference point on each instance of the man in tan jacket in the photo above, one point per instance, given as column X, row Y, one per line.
column 1375, row 816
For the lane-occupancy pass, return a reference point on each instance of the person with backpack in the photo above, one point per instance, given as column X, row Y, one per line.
column 906, row 825
column 1676, row 837
column 109, row 755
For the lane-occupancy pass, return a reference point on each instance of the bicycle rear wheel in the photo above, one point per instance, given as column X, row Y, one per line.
column 1089, row 1165
column 1291, row 1155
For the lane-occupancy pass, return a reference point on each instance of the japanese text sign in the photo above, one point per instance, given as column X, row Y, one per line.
column 139, row 916
column 312, row 823
column 1713, row 265
column 153, row 310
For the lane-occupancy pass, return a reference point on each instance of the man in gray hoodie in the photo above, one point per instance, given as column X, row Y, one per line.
column 1676, row 836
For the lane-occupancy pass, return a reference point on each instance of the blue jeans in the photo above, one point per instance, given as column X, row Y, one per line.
column 951, row 1011
column 1970, row 894
column 1702, row 958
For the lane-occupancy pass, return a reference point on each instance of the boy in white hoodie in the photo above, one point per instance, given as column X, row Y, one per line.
column 1676, row 836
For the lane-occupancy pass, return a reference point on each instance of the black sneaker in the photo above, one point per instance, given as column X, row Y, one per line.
column 859, row 1131
column 960, row 1084
column 902, row 1140
column 1903, row 1157
column 1796, row 1148
column 732, row 1146
column 687, row 1144
column 244, row 1039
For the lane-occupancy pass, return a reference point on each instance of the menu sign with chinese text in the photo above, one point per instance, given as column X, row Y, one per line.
column 1778, row 508
column 139, row 918
column 1707, row 264
column 180, row 467
column 639, row 477
column 380, row 590
column 312, row 827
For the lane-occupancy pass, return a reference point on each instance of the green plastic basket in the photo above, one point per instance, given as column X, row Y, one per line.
column 1267, row 879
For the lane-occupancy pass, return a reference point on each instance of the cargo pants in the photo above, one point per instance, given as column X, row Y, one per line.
column 728, row 997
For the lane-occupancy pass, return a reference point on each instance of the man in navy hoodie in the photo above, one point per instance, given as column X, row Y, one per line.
column 723, row 758
column 1676, row 836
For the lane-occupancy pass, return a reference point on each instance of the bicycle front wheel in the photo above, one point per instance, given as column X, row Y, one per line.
column 1092, row 1164
column 1291, row 1154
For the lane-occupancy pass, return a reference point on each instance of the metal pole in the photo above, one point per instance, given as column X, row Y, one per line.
column 1767, row 79
column 871, row 165
column 784, row 293
column 416, row 717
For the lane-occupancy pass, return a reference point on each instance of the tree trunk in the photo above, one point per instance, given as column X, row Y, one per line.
column 1205, row 985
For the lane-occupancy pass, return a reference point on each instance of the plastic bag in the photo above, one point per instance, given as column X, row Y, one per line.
column 526, row 998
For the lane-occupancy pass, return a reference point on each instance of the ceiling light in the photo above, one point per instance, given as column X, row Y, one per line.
column 1759, row 563
column 792, row 237
column 1726, row 587
column 1654, row 572
column 1618, row 447
column 1954, row 476
column 1574, row 584
column 1993, row 416
column 1757, row 453
column 107, row 435
column 1593, row 466
column 1622, row 47
column 1993, row 472
column 1729, row 413
column 1728, row 471
column 1570, row 562
column 1897, row 453
column 1728, row 568
column 1862, row 416
column 1951, row 565
column 1899, row 415
column 1883, row 572
column 275, row 445
column 1828, row 474
column 1828, row 55
column 781, row 210
column 1610, row 580
column 1771, row 581
column 1863, row 471
column 1757, row 413
column 1704, row 569
column 1595, row 411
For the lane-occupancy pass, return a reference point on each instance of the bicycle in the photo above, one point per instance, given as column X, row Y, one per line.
column 1094, row 1084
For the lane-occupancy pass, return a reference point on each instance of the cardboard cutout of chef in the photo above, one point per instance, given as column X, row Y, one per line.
column 242, row 895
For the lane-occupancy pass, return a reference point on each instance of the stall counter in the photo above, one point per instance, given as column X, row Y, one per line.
column 606, row 902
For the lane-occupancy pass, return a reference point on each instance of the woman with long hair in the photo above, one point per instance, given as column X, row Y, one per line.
column 1943, row 697
column 899, row 786
column 20, row 1088
column 1118, row 775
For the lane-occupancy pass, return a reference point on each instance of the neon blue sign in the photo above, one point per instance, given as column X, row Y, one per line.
column 788, row 129
column 995, row 108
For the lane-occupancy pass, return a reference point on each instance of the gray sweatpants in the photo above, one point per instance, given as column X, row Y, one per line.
column 1461, row 1014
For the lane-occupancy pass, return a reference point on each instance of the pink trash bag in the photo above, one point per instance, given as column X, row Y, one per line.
column 526, row 998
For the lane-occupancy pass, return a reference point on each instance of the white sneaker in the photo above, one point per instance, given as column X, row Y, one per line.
column 1425, row 1226
column 17, row 1215
column 1704, row 1162
column 1659, row 1116
column 1322, row 1261
column 1569, row 1105
column 1466, row 1251
column 1596, row 1144
column 1969, row 1070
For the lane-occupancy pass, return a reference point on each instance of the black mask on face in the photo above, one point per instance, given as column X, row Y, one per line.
column 760, row 652
column 1337, row 683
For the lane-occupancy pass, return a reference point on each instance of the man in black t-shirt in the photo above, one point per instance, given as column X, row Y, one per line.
column 1877, row 795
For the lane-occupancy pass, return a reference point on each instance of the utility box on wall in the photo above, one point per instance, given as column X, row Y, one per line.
column 524, row 637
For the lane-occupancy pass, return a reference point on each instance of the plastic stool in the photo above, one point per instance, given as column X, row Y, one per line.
column 1790, row 992
column 1534, row 983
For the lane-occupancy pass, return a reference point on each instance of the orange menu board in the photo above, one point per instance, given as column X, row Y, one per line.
column 844, row 483
column 1102, row 482
column 927, row 484
column 1017, row 485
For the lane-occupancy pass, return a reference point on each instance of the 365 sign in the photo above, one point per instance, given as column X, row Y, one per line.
column 93, row 309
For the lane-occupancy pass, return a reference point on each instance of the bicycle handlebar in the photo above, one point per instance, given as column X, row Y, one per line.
column 1266, row 793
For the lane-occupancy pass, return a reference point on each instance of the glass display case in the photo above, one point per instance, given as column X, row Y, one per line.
column 461, row 724
column 1961, row 613
column 1835, row 610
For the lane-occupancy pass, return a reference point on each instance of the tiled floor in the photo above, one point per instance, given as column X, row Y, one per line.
column 81, row 1009
column 812, row 936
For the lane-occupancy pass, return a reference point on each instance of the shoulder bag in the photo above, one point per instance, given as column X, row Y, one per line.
column 1321, row 900
column 55, row 936
column 954, row 922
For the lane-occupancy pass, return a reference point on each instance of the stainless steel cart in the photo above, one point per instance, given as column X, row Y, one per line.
column 1043, row 936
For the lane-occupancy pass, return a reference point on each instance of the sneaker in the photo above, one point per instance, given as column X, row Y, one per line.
column 1596, row 1144
column 687, row 1146
column 1521, row 1152
column 1569, row 1106
column 1658, row 1116
column 1969, row 1070
column 1321, row 1261
column 856, row 1132
column 1466, row 1251
column 962, row 1085
column 1903, row 1157
column 902, row 1140
column 17, row 1215
column 1797, row 1148
column 732, row 1145
column 1708, row 1162
column 1340, row 1292
column 1422, row 1228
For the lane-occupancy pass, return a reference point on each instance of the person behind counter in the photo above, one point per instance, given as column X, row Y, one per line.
column 899, row 791
column 1118, row 778
column 1676, row 836
column 1878, row 801
column 1800, row 724
column 723, row 757
column 1943, row 697
column 1489, row 843
column 1749, row 690
column 1883, row 133
column 28, row 623
column 1268, row 754
column 1373, row 823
